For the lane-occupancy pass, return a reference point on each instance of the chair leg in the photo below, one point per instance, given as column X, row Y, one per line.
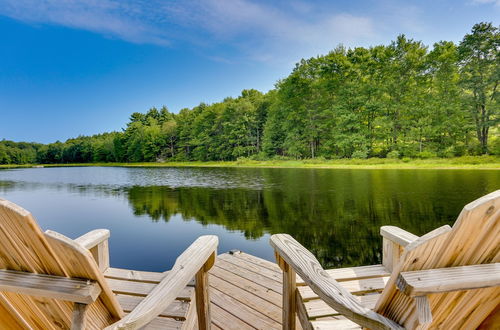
column 202, row 296
column 78, row 320
column 289, row 315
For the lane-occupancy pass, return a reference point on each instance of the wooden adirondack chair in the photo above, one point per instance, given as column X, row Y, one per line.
column 447, row 279
column 48, row 281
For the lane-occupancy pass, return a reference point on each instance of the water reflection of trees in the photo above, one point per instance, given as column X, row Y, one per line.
column 340, row 226
column 335, row 213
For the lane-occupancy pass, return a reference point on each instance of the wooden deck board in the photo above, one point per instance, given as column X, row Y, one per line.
column 252, row 267
column 247, row 285
column 245, row 293
column 131, row 287
column 265, row 308
column 251, row 276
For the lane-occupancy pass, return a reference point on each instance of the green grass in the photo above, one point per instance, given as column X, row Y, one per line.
column 466, row 162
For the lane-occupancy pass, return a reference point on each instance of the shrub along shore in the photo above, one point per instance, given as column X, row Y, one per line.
column 468, row 162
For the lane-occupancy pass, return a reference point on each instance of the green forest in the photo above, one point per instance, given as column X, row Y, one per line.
column 399, row 100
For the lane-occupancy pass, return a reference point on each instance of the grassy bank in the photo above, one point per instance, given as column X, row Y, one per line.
column 468, row 162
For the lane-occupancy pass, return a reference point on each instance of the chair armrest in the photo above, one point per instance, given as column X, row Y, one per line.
column 50, row 286
column 308, row 267
column 394, row 241
column 93, row 238
column 197, row 257
column 423, row 282
column 397, row 235
column 96, row 241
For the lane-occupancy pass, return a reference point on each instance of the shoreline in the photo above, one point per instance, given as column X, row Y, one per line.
column 480, row 163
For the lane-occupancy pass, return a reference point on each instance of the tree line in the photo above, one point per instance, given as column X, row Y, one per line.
column 398, row 100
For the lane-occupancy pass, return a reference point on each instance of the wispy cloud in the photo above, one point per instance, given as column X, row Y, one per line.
column 482, row 2
column 113, row 18
column 266, row 32
column 258, row 30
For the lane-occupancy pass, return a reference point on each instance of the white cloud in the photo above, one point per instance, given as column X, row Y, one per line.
column 113, row 18
column 481, row 2
column 271, row 33
column 256, row 29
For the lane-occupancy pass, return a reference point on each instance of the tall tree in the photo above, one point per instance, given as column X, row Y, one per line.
column 480, row 73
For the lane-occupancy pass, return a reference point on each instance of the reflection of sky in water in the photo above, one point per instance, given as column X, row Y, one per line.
column 118, row 177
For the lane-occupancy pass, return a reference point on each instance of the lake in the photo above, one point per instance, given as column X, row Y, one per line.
column 155, row 213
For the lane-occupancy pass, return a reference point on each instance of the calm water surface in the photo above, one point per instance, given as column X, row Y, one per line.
column 155, row 213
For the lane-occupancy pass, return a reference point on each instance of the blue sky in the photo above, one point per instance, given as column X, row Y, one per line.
column 80, row 67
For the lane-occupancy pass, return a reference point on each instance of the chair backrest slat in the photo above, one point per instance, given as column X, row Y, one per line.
column 24, row 247
column 474, row 239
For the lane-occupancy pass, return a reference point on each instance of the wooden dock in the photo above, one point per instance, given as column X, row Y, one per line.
column 245, row 293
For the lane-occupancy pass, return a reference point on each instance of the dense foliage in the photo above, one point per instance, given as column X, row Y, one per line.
column 399, row 100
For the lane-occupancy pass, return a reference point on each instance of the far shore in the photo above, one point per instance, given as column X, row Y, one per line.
column 467, row 162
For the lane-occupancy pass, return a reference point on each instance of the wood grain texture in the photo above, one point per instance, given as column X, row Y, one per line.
column 162, row 295
column 397, row 235
column 177, row 309
column 318, row 308
column 11, row 319
column 354, row 273
column 391, row 252
column 251, row 286
column 394, row 239
column 96, row 241
column 49, row 286
column 474, row 239
column 78, row 321
column 181, row 313
column 424, row 314
column 24, row 247
column 255, row 302
column 79, row 263
column 289, row 297
column 355, row 287
column 202, row 296
column 423, row 282
column 134, row 275
column 310, row 270
column 252, row 267
column 93, row 238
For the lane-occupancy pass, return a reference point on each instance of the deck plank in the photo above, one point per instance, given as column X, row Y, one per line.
column 356, row 287
column 273, row 275
column 142, row 288
column 131, row 287
column 250, row 275
column 353, row 273
column 258, row 261
column 318, row 308
column 178, row 309
column 134, row 275
column 226, row 320
column 245, row 293
column 263, row 307
column 246, row 313
column 334, row 324
column 247, row 285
